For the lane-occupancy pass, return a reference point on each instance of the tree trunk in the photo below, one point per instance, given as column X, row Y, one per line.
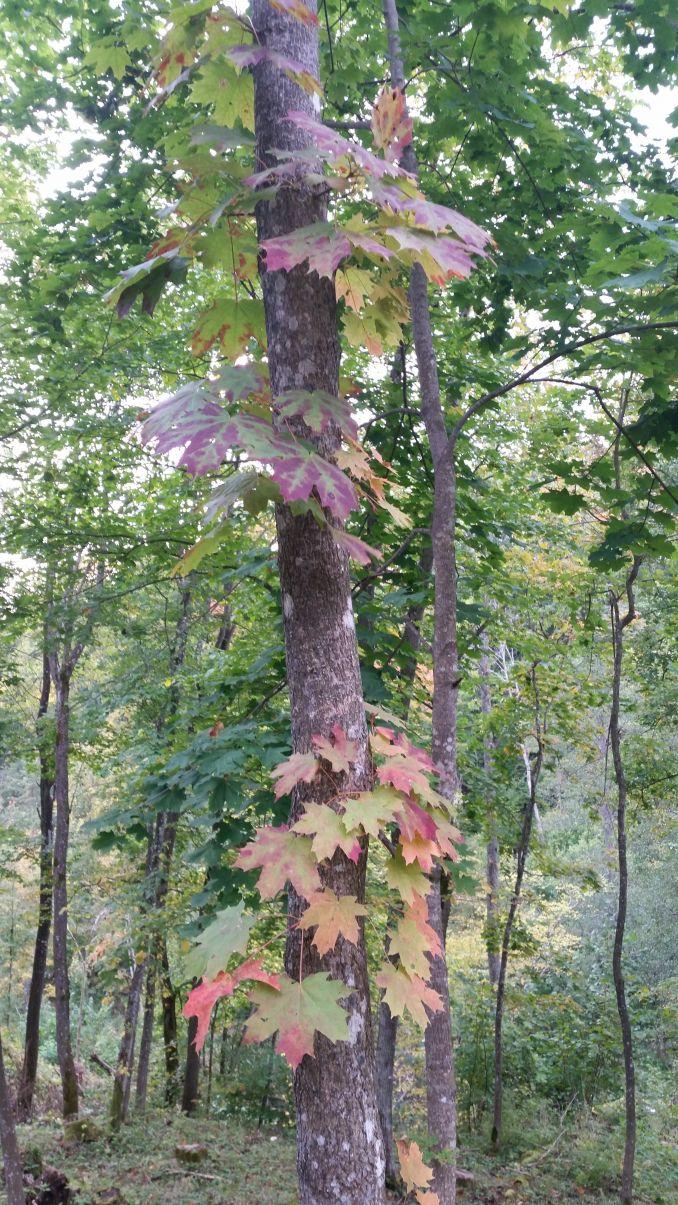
column 190, row 1094
column 339, row 1148
column 14, row 1185
column 492, row 871
column 387, row 1027
column 146, row 1043
column 441, row 1091
column 123, row 1071
column 169, row 1028
column 521, row 858
column 28, row 1075
column 619, row 623
column 62, row 997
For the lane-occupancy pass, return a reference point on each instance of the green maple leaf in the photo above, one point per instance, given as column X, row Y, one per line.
column 408, row 880
column 372, row 810
column 328, row 832
column 298, row 1011
column 231, row 324
column 227, row 934
column 230, row 94
column 108, row 55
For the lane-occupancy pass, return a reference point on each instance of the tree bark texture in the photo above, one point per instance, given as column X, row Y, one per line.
column 387, row 1025
column 123, row 1070
column 492, row 864
column 441, row 1091
column 339, row 1148
column 619, row 623
column 29, row 1069
column 190, row 1094
column 146, row 1042
column 61, row 676
column 521, row 859
column 14, row 1185
column 169, row 1027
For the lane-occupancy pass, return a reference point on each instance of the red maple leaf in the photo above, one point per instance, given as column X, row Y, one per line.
column 201, row 999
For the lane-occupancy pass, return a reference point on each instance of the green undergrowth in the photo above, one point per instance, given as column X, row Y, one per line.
column 242, row 1166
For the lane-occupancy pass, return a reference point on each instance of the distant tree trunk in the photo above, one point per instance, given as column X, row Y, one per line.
column 190, row 1094
column 619, row 623
column 492, row 871
column 28, row 1074
column 441, row 1090
column 146, row 1043
column 123, row 1071
column 169, row 1027
column 339, row 1147
column 14, row 1185
column 387, row 1027
column 521, row 858
column 61, row 676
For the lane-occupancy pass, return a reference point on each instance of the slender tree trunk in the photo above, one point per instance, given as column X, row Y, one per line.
column 28, row 1075
column 146, row 1043
column 441, row 1091
column 339, row 1148
column 521, row 858
column 169, row 1027
column 123, row 1071
column 619, row 623
column 492, row 871
column 387, row 1028
column 62, row 997
column 14, row 1185
column 190, row 1094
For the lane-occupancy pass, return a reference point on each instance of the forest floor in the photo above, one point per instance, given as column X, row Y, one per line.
column 249, row 1166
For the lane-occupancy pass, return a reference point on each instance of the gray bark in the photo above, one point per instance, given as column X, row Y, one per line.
column 61, row 676
column 492, row 864
column 146, row 1043
column 441, row 1092
column 339, row 1148
column 14, row 1186
column 619, row 623
column 28, row 1074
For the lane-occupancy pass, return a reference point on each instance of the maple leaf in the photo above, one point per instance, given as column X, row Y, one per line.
column 414, row 939
column 231, row 324
column 295, row 8
column 201, row 999
column 334, row 147
column 427, row 1198
column 300, row 767
column 297, row 1012
column 227, row 934
column 332, row 916
column 391, row 123
column 231, row 95
column 441, row 258
column 356, row 548
column 322, row 822
column 250, row 56
column 405, row 774
column 283, row 858
column 321, row 244
column 403, row 991
column 414, row 1171
column 435, row 218
column 319, row 410
column 407, row 880
column 413, row 819
column 354, row 285
column 337, row 749
column 371, row 810
column 146, row 280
